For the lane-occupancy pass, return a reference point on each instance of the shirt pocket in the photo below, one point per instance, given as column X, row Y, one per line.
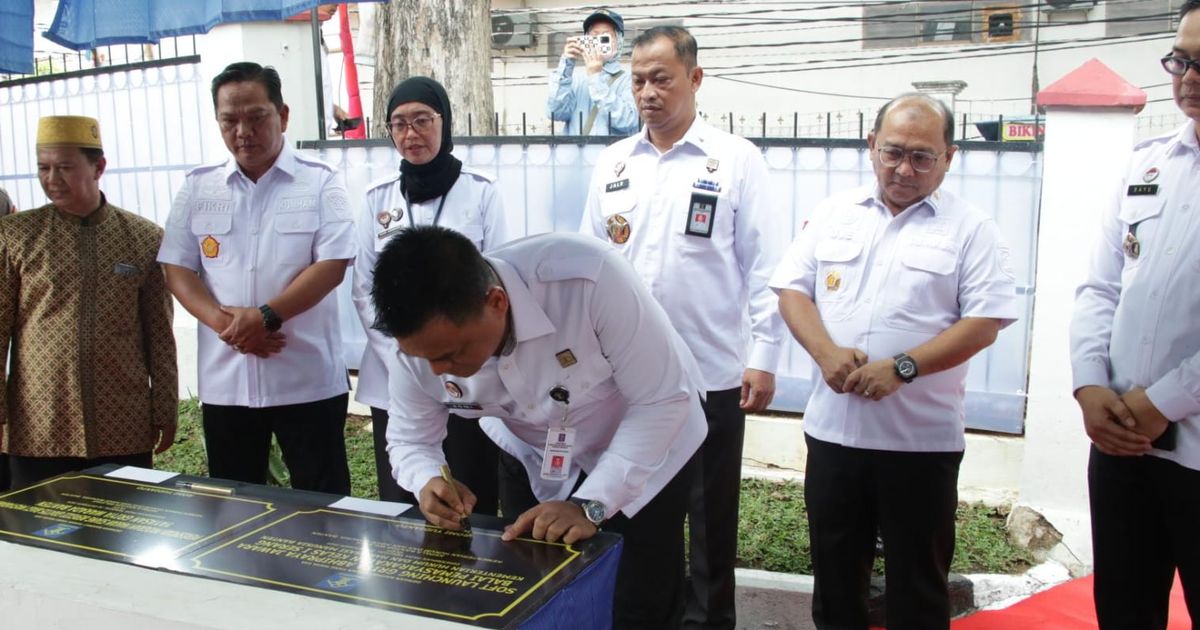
column 839, row 268
column 925, row 285
column 294, row 236
column 1139, row 217
column 212, row 232
column 720, row 239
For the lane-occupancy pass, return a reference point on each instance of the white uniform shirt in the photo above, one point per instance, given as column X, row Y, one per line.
column 704, row 283
column 885, row 285
column 581, row 320
column 1135, row 321
column 472, row 208
column 248, row 241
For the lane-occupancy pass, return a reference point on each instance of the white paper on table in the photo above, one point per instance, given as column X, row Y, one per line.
column 141, row 474
column 371, row 506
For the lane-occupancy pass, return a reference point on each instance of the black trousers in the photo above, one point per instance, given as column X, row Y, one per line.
column 5, row 476
column 30, row 470
column 471, row 455
column 311, row 435
column 650, row 585
column 1145, row 522
column 713, row 515
column 910, row 498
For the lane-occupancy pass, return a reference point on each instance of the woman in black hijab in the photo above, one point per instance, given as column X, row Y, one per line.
column 432, row 188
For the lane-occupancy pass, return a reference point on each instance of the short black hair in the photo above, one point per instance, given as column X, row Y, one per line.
column 425, row 272
column 936, row 103
column 93, row 155
column 1188, row 7
column 241, row 71
column 685, row 44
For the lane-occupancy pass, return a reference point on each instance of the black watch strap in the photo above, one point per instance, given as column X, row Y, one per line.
column 905, row 367
column 271, row 319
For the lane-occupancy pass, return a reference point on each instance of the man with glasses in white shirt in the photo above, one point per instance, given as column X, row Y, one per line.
column 891, row 288
column 1135, row 354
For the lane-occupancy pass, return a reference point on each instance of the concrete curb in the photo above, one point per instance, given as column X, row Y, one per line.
column 783, row 600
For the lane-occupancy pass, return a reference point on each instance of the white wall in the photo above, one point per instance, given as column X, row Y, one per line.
column 1084, row 148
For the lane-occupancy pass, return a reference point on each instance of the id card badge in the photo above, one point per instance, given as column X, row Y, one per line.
column 556, row 460
column 702, row 209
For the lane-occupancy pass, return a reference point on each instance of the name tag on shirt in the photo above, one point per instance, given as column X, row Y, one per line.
column 702, row 209
column 556, row 460
column 617, row 185
column 1139, row 190
column 464, row 406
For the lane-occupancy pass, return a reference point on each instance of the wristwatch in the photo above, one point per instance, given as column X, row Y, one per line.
column 271, row 319
column 593, row 510
column 906, row 368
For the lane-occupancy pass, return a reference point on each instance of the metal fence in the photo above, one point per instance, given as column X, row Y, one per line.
column 543, row 182
column 157, row 124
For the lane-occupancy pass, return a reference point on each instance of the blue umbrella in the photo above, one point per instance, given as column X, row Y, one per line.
column 85, row 24
column 16, row 36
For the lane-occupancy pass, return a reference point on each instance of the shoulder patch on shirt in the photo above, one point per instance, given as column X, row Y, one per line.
column 576, row 267
column 337, row 205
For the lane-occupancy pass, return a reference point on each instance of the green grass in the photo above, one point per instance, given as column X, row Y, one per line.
column 773, row 528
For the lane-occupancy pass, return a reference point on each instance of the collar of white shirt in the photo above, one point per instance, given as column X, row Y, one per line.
column 698, row 135
column 1185, row 139
column 529, row 320
column 870, row 195
column 286, row 163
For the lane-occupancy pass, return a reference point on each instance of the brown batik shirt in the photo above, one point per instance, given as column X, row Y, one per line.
column 85, row 307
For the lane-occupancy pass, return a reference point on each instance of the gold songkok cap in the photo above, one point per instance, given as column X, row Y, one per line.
column 69, row 131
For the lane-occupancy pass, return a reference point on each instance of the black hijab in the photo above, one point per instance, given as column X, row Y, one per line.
column 422, row 182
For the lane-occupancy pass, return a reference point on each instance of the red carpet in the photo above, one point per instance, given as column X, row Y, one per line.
column 1067, row 606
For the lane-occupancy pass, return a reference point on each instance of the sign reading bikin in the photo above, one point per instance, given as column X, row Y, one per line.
column 1022, row 131
column 470, row 577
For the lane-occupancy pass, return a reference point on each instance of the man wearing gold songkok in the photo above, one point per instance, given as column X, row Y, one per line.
column 82, row 301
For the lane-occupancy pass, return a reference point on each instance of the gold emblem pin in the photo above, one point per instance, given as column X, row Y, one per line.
column 712, row 165
column 618, row 229
column 453, row 389
column 210, row 246
column 1133, row 248
column 833, row 281
column 566, row 358
column 384, row 219
column 618, row 169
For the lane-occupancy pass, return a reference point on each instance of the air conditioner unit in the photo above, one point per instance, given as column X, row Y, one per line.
column 513, row 30
column 1069, row 5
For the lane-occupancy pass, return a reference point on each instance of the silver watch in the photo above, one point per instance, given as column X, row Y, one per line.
column 594, row 511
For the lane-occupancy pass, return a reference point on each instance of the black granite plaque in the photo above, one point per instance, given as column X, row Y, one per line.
column 401, row 564
column 117, row 519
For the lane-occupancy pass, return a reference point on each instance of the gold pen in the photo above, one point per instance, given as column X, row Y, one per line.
column 203, row 487
column 462, row 520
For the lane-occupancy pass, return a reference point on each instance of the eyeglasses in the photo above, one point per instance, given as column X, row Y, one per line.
column 419, row 124
column 922, row 161
column 1178, row 66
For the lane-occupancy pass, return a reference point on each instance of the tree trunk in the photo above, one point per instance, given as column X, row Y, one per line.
column 447, row 40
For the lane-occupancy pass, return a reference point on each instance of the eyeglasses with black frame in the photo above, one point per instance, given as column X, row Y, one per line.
column 1178, row 66
column 420, row 124
column 921, row 161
